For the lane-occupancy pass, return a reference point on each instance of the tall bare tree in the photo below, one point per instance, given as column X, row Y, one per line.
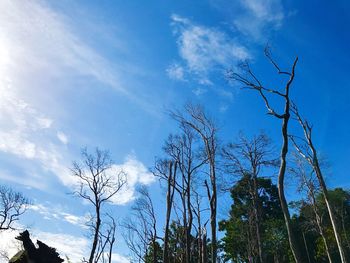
column 184, row 152
column 250, row 81
column 308, row 184
column 166, row 170
column 249, row 157
column 201, row 228
column 195, row 118
column 97, row 184
column 308, row 151
column 141, row 230
column 106, row 241
column 12, row 205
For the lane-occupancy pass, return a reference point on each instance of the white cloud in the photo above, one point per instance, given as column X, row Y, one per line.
column 136, row 173
column 26, row 133
column 223, row 108
column 8, row 244
column 176, row 72
column 36, row 40
column 38, row 48
column 62, row 137
column 257, row 17
column 203, row 48
column 50, row 212
column 199, row 91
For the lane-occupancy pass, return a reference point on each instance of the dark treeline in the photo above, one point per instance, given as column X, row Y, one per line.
column 198, row 170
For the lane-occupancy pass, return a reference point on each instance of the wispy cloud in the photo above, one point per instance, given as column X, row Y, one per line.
column 27, row 134
column 62, row 137
column 38, row 46
column 36, row 40
column 176, row 72
column 55, row 212
column 203, row 48
column 199, row 91
column 256, row 18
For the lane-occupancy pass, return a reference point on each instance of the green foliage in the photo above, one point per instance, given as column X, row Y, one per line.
column 150, row 253
column 239, row 236
column 340, row 201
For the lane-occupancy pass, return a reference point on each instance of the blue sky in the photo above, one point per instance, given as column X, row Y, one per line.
column 88, row 73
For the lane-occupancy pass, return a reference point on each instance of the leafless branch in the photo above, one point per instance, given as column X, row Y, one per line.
column 12, row 206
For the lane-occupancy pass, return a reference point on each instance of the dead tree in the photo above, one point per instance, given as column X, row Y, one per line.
column 249, row 157
column 201, row 232
column 204, row 246
column 140, row 231
column 183, row 151
column 12, row 206
column 106, row 242
column 166, row 170
column 97, row 184
column 250, row 81
column 308, row 151
column 136, row 237
column 195, row 118
column 308, row 184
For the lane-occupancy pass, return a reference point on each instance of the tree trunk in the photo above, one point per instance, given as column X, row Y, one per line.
column 190, row 220
column 326, row 245
column 256, row 216
column 329, row 208
column 154, row 244
column 213, row 206
column 306, row 247
column 212, row 195
column 169, row 201
column 96, row 234
column 343, row 226
column 199, row 223
column 204, row 247
column 320, row 228
column 199, row 245
column 291, row 236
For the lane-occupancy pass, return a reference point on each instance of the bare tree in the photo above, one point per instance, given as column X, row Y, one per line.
column 308, row 151
column 201, row 230
column 12, row 206
column 106, row 241
column 141, row 231
column 247, row 158
column 166, row 170
column 307, row 183
column 97, row 184
column 250, row 81
column 204, row 246
column 196, row 119
column 183, row 151
column 136, row 237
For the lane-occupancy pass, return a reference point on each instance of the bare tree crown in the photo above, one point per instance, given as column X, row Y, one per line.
column 12, row 206
column 98, row 182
